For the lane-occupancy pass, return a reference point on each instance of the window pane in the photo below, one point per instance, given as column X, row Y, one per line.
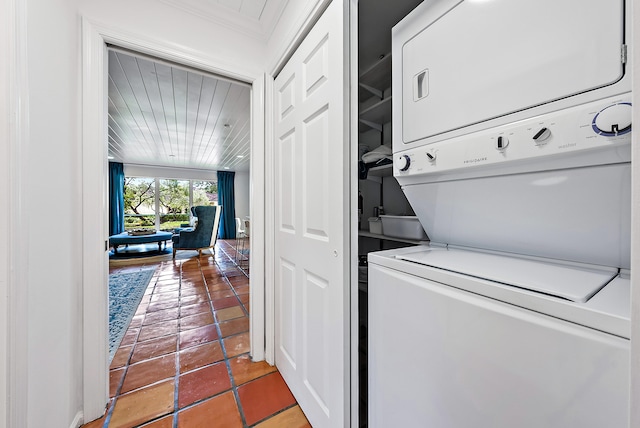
column 139, row 194
column 205, row 193
column 174, row 204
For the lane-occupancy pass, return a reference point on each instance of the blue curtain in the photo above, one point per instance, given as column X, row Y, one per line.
column 116, row 198
column 226, row 198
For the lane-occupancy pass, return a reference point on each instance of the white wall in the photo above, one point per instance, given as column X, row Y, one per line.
column 155, row 20
column 241, row 189
column 52, row 201
column 52, row 193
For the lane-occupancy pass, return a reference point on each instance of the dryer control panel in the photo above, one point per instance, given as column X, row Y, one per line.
column 598, row 129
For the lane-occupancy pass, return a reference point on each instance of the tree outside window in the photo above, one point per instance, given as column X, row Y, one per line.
column 205, row 193
column 171, row 197
column 139, row 203
column 174, row 203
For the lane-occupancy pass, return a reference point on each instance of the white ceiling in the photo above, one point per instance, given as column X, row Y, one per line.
column 251, row 8
column 166, row 115
column 169, row 116
column 256, row 18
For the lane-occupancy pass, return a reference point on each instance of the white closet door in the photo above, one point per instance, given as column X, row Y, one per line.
column 311, row 238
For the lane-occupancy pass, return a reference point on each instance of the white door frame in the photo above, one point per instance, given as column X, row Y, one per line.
column 95, row 36
column 14, row 266
column 635, row 222
column 353, row 260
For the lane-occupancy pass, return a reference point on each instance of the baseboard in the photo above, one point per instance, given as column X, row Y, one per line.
column 77, row 421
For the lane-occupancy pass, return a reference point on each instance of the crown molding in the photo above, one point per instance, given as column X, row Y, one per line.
column 260, row 29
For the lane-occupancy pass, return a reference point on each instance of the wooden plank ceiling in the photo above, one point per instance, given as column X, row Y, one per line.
column 163, row 115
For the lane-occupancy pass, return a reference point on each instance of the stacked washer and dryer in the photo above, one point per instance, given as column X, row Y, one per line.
column 511, row 141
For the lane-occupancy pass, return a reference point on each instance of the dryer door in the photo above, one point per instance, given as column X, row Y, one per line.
column 483, row 60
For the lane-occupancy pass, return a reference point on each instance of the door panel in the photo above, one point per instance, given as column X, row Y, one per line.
column 289, row 322
column 286, row 153
column 316, row 302
column 316, row 164
column 311, row 239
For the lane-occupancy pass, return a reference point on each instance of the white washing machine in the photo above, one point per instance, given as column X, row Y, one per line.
column 514, row 151
column 449, row 349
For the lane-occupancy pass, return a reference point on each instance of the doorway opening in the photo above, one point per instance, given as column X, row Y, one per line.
column 96, row 84
column 173, row 131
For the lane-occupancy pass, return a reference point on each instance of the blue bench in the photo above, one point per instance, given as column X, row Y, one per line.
column 125, row 239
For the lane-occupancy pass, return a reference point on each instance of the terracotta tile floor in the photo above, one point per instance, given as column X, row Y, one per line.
column 184, row 361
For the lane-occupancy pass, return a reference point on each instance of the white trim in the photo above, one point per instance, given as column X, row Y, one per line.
column 6, row 40
column 221, row 16
column 169, row 52
column 270, row 224
column 95, row 378
column 352, row 63
column 349, row 217
column 77, row 420
column 259, row 29
column 257, row 212
column 296, row 35
column 196, row 71
column 634, row 416
column 95, row 37
column 15, row 131
column 170, row 173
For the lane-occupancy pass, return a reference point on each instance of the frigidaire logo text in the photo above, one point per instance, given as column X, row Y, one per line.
column 475, row 160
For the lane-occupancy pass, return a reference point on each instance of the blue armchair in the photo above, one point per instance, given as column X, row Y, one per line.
column 204, row 235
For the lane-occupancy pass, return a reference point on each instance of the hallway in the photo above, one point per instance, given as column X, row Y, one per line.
column 184, row 361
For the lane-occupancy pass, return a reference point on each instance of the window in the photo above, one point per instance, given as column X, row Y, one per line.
column 174, row 203
column 139, row 203
column 164, row 204
column 205, row 193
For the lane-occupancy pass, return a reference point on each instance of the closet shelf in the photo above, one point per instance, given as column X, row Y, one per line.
column 382, row 171
column 377, row 114
column 376, row 173
column 378, row 76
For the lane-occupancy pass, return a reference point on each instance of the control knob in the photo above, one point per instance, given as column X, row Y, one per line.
column 542, row 135
column 613, row 120
column 502, row 143
column 404, row 162
column 431, row 156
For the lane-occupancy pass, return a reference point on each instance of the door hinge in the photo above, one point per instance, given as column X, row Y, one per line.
column 106, row 245
column 623, row 54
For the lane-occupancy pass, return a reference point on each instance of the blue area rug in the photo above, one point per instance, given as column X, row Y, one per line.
column 125, row 292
